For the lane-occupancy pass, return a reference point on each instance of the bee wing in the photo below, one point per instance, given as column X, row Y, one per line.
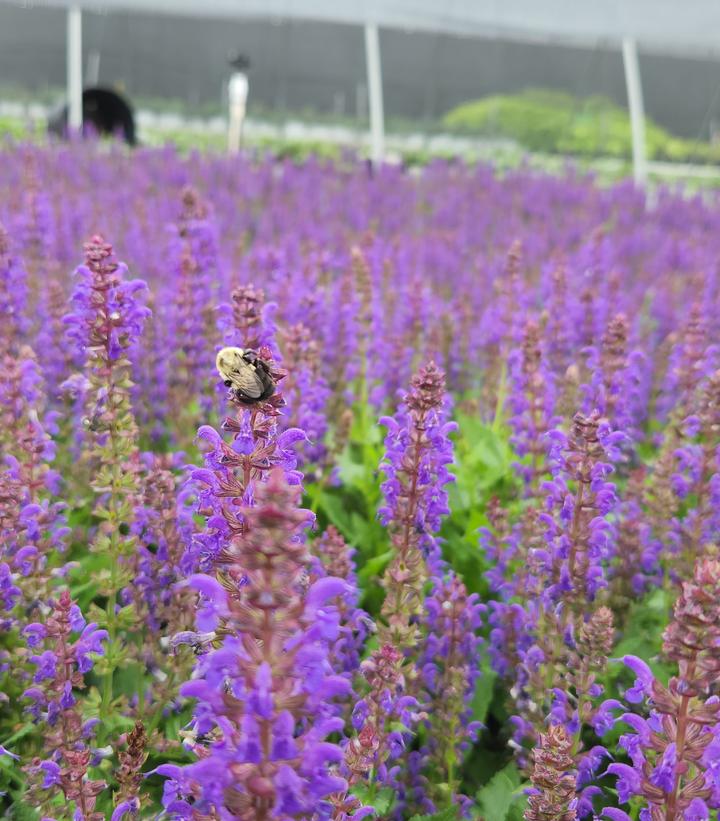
column 246, row 381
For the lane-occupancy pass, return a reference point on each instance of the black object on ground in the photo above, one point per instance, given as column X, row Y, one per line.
column 104, row 111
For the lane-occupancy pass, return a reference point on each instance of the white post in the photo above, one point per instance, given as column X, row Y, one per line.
column 237, row 102
column 74, row 68
column 637, row 110
column 375, row 92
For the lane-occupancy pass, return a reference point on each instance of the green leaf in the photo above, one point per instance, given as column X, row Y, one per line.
column 646, row 623
column 336, row 511
column 375, row 566
column 128, row 679
column 101, row 512
column 382, row 799
column 498, row 794
column 22, row 810
column 97, row 614
column 484, row 460
column 517, row 808
column 350, row 471
column 8, row 743
column 449, row 814
column 483, row 693
column 126, row 617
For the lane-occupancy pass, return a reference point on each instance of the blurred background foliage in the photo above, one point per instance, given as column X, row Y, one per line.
column 556, row 122
column 536, row 125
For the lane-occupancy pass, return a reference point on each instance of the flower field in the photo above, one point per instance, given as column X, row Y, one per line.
column 461, row 562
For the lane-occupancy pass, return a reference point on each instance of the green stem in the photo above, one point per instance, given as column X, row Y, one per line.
column 158, row 714
column 372, row 787
column 114, row 503
column 450, row 762
column 501, row 396
column 367, row 450
column 671, row 812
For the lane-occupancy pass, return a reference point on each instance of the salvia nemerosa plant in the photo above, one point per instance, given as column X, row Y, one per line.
column 673, row 750
column 337, row 559
column 61, row 651
column 105, row 321
column 553, row 779
column 449, row 666
column 418, row 450
column 264, row 691
column 192, row 253
column 532, row 401
column 33, row 525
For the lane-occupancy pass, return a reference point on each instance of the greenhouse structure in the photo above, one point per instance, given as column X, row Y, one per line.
column 653, row 28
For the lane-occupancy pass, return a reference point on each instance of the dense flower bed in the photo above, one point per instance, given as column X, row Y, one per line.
column 463, row 562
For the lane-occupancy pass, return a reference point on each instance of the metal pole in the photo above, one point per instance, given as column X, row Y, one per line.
column 375, row 92
column 637, row 111
column 74, row 68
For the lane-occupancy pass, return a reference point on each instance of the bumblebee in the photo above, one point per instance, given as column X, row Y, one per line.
column 246, row 374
